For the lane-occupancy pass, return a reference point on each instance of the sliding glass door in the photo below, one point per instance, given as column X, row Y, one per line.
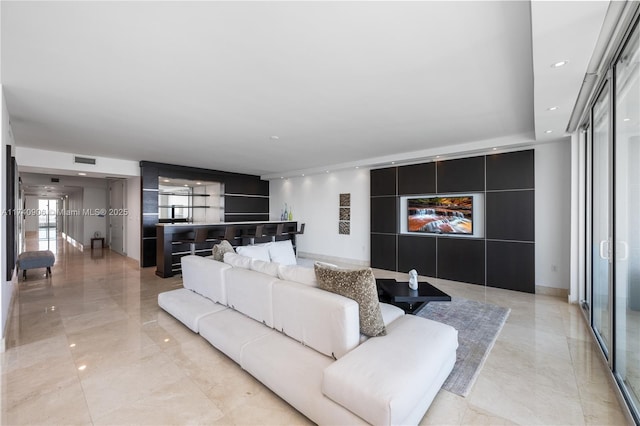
column 627, row 223
column 601, row 222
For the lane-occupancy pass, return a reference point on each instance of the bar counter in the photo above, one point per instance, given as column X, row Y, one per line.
column 172, row 239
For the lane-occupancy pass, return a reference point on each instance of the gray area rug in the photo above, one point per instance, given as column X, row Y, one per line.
column 478, row 326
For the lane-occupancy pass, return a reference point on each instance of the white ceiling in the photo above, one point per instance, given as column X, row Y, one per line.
column 208, row 84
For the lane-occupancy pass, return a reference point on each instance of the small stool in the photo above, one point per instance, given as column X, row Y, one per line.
column 101, row 239
column 36, row 259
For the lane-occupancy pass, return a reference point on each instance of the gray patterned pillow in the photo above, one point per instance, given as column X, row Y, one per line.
column 359, row 285
column 220, row 249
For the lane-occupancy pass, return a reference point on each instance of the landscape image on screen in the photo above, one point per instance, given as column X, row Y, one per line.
column 440, row 215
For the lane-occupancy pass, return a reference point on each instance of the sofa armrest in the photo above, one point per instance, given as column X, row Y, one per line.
column 388, row 379
column 205, row 277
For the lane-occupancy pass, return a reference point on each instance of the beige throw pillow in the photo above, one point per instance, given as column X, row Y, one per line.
column 359, row 285
column 220, row 249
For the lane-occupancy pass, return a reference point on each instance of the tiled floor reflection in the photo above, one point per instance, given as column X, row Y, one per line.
column 90, row 346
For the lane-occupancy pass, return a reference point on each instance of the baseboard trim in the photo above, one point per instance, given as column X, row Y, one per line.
column 552, row 291
column 333, row 259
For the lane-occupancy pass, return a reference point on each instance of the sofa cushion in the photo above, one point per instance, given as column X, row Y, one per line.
column 359, row 285
column 298, row 274
column 294, row 373
column 383, row 380
column 220, row 249
column 250, row 292
column 205, row 277
column 237, row 260
column 230, row 331
column 282, row 252
column 325, row 321
column 255, row 252
column 187, row 306
column 390, row 313
column 268, row 268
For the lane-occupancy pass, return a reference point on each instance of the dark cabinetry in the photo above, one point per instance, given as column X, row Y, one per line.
column 504, row 256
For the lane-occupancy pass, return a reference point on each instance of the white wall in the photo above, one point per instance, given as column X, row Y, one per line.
column 315, row 200
column 32, row 159
column 94, row 199
column 75, row 223
column 132, row 221
column 31, row 220
column 7, row 290
column 553, row 214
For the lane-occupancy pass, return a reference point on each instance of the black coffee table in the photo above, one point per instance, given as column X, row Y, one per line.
column 399, row 294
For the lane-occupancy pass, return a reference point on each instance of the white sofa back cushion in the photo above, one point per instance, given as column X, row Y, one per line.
column 237, row 260
column 265, row 267
column 282, row 252
column 298, row 274
column 249, row 292
column 205, row 277
column 325, row 321
column 255, row 252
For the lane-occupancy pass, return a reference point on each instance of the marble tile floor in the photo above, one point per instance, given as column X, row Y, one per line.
column 90, row 346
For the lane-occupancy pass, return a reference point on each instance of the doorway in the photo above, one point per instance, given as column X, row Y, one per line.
column 117, row 210
column 47, row 224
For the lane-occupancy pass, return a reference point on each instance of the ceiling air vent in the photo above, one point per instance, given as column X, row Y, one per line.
column 84, row 160
column 55, row 180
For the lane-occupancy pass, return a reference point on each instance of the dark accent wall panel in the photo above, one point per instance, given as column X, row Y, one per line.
column 238, row 204
column 417, row 253
column 383, row 251
column 243, row 185
column 461, row 259
column 510, row 215
column 511, row 266
column 512, row 170
column 246, row 217
column 461, row 175
column 417, row 179
column 148, row 248
column 384, row 212
column 383, row 181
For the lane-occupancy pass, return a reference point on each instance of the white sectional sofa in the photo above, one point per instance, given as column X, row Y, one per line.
column 304, row 343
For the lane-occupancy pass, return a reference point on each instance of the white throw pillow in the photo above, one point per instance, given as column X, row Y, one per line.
column 282, row 252
column 268, row 268
column 298, row 274
column 255, row 252
column 237, row 260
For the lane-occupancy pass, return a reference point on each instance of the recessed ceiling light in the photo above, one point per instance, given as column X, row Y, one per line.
column 393, row 162
column 81, row 174
column 186, row 185
column 198, row 183
column 274, row 138
column 357, row 167
column 82, row 367
column 73, row 345
column 166, row 180
column 548, row 131
column 553, row 108
column 626, row 119
column 303, row 175
column 559, row 64
column 495, row 149
column 326, row 171
column 437, row 156
column 281, row 177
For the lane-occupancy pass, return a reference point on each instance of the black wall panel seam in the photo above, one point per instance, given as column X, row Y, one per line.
column 510, row 190
column 246, row 195
column 511, row 241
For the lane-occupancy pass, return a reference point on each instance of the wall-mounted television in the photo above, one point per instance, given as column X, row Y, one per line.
column 440, row 215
